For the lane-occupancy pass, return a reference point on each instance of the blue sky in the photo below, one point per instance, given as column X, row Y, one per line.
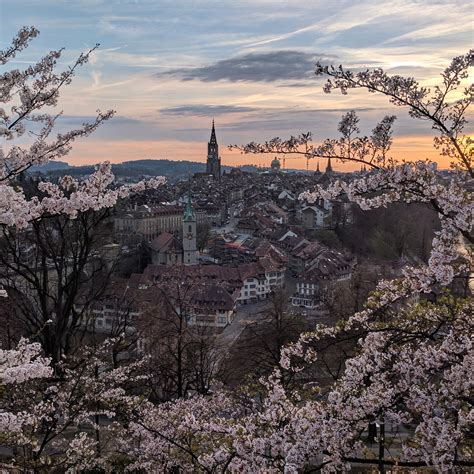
column 169, row 67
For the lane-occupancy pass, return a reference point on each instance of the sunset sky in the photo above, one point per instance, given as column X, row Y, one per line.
column 169, row 67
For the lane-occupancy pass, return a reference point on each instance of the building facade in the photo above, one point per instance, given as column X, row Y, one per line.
column 147, row 221
column 151, row 221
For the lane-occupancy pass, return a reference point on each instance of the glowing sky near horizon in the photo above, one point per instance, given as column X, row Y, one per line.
column 169, row 67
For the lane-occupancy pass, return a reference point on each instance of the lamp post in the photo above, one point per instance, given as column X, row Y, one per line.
column 381, row 426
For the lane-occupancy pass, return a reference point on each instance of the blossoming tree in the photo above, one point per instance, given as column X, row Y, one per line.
column 414, row 364
column 42, row 405
column 27, row 92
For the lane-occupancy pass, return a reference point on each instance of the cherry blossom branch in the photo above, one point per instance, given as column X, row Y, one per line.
column 371, row 151
column 407, row 92
column 20, row 42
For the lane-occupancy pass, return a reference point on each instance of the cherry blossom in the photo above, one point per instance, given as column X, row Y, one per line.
column 28, row 91
column 413, row 366
column 41, row 406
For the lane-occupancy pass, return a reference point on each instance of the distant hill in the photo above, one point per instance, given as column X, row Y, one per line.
column 132, row 169
column 173, row 170
column 46, row 168
column 168, row 168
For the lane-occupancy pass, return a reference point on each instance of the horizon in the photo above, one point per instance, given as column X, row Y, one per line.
column 322, row 165
column 250, row 67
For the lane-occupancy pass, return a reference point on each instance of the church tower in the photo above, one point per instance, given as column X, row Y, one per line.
column 189, row 234
column 318, row 171
column 329, row 167
column 213, row 165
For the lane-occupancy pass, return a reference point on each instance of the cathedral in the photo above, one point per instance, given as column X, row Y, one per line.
column 213, row 164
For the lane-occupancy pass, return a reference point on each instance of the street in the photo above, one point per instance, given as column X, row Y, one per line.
column 245, row 315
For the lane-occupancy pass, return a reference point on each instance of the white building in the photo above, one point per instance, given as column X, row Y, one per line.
column 327, row 272
column 262, row 278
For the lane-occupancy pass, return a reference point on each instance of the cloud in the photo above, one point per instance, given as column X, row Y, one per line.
column 80, row 119
column 254, row 67
column 205, row 110
column 297, row 84
column 268, row 123
column 435, row 31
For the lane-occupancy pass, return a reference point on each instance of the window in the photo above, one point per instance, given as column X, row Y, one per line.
column 190, row 228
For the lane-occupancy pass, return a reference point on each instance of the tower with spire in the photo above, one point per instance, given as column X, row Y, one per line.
column 213, row 165
column 318, row 171
column 189, row 234
column 329, row 167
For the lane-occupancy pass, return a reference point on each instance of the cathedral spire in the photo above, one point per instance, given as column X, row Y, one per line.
column 213, row 165
column 213, row 139
column 329, row 167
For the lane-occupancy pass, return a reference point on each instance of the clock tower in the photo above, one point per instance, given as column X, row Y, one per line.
column 189, row 234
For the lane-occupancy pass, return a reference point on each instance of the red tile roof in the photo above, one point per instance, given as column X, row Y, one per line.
column 162, row 242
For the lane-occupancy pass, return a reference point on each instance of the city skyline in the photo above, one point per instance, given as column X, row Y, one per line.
column 170, row 68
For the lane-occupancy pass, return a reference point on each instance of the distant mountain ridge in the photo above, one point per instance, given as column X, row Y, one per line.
column 50, row 166
column 168, row 168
